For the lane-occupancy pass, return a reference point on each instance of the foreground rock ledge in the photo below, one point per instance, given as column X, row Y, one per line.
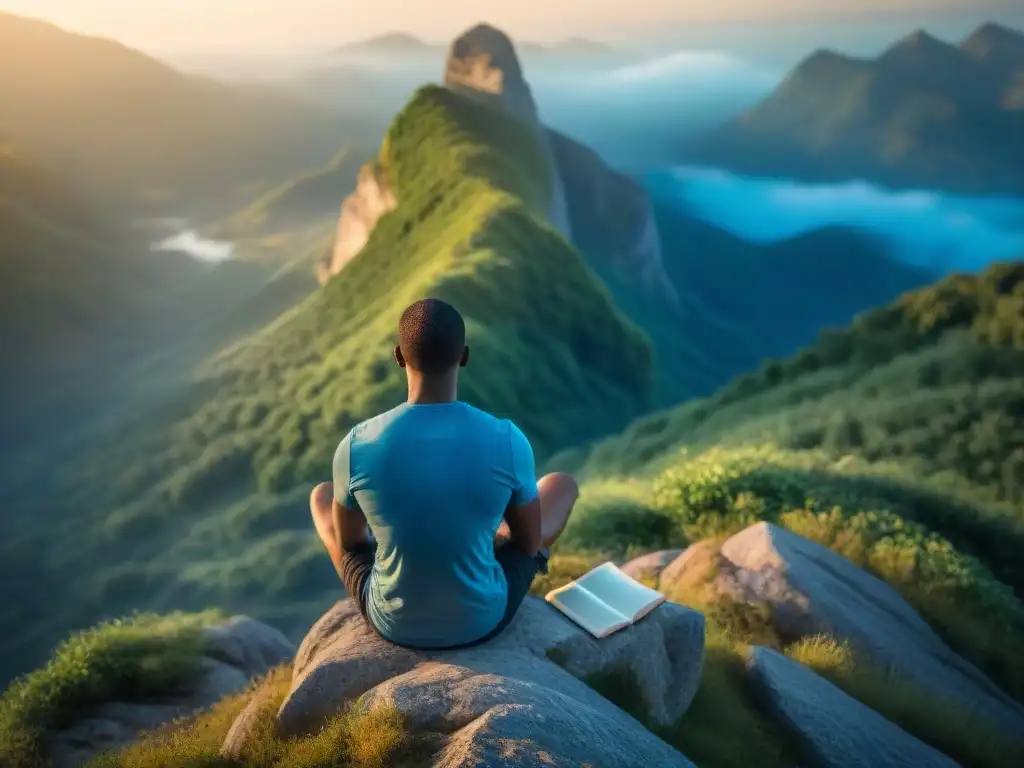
column 238, row 651
column 506, row 702
column 833, row 729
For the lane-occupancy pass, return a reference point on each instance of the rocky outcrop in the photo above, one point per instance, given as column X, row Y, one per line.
column 834, row 730
column 482, row 64
column 237, row 652
column 811, row 590
column 517, row 700
column 360, row 213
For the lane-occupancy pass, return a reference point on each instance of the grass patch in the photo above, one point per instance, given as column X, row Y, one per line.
column 619, row 519
column 357, row 738
column 131, row 660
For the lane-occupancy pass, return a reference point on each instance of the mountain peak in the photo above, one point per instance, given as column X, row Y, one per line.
column 482, row 62
column 920, row 42
column 920, row 37
column 994, row 32
column 994, row 42
column 922, row 52
column 389, row 42
column 484, row 39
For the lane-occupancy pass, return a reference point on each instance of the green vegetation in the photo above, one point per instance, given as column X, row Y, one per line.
column 312, row 197
column 131, row 660
column 930, row 381
column 356, row 738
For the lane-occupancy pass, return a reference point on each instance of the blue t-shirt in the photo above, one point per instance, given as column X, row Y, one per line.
column 433, row 482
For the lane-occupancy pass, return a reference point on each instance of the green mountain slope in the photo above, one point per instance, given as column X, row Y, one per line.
column 931, row 380
column 141, row 131
column 307, row 199
column 75, row 290
column 745, row 302
column 923, row 113
column 206, row 505
column 929, row 390
column 898, row 441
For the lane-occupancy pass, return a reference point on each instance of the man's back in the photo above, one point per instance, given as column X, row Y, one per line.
column 433, row 482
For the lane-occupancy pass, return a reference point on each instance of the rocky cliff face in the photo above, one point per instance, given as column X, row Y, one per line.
column 613, row 219
column 482, row 64
column 360, row 213
column 603, row 213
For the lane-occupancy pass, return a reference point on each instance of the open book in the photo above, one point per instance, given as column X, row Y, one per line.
column 605, row 600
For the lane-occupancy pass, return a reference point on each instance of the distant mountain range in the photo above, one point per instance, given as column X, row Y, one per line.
column 400, row 43
column 139, row 131
column 923, row 113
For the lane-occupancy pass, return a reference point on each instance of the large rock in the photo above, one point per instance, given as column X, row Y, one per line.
column 833, row 729
column 650, row 566
column 238, row 651
column 812, row 590
column 482, row 64
column 506, row 702
column 360, row 212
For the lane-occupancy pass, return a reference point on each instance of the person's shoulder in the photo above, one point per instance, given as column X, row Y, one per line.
column 504, row 428
column 487, row 420
column 373, row 426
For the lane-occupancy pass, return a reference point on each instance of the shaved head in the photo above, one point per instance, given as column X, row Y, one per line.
column 432, row 337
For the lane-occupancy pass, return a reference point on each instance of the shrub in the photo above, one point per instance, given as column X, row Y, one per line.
column 127, row 660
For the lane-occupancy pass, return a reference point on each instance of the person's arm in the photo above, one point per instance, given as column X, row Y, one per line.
column 348, row 518
column 523, row 514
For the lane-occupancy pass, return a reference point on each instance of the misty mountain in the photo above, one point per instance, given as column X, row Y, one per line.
column 401, row 43
column 923, row 113
column 377, row 75
column 139, row 131
column 74, row 292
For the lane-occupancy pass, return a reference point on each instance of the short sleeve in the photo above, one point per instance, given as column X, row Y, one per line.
column 524, row 470
column 343, row 474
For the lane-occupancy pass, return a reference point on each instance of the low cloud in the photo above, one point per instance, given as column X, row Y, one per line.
column 925, row 228
column 697, row 70
column 190, row 242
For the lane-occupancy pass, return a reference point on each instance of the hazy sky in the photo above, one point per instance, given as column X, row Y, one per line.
column 156, row 24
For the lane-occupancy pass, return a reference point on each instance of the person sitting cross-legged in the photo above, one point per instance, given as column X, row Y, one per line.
column 435, row 520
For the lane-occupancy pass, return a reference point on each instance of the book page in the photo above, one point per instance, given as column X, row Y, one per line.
column 586, row 610
column 621, row 592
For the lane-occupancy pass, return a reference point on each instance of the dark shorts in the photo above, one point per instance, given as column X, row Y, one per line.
column 520, row 570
